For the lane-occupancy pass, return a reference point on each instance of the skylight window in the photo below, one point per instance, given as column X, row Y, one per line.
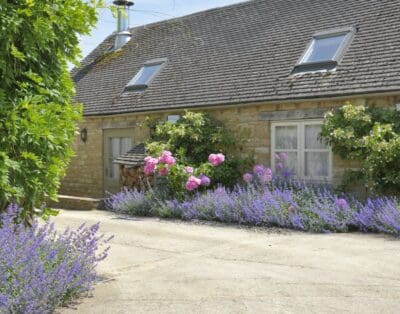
column 145, row 75
column 325, row 50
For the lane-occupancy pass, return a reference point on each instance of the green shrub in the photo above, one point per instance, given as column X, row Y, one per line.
column 194, row 137
column 370, row 136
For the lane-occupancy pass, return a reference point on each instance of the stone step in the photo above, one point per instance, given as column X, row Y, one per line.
column 76, row 202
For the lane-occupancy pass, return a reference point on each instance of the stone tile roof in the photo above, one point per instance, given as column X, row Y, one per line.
column 134, row 157
column 245, row 53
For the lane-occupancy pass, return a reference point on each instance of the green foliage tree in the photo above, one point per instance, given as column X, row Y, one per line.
column 370, row 136
column 197, row 135
column 37, row 118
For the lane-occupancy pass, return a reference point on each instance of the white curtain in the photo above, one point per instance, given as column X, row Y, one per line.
column 316, row 162
column 286, row 137
column 311, row 137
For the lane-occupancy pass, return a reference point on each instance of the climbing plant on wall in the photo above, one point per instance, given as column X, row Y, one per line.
column 37, row 119
column 371, row 136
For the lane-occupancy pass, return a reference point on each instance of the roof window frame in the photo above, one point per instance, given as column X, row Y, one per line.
column 325, row 65
column 141, row 87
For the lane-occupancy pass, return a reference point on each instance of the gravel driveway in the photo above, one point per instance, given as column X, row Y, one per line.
column 158, row 266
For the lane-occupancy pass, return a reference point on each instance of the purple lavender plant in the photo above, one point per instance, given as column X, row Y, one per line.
column 132, row 202
column 289, row 204
column 41, row 269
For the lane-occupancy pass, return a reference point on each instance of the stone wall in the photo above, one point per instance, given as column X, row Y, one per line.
column 85, row 174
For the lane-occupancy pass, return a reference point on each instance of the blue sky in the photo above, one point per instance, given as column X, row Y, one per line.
column 147, row 11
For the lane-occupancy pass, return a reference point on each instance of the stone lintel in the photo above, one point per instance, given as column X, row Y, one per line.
column 297, row 114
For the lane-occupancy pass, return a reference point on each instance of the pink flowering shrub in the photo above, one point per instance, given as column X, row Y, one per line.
column 183, row 178
column 197, row 138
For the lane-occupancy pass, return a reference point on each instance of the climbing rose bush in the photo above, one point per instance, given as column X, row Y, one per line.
column 40, row 268
column 183, row 178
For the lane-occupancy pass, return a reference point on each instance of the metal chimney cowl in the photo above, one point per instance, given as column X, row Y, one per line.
column 123, row 36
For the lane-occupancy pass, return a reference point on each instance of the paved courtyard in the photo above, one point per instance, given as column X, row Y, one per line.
column 158, row 266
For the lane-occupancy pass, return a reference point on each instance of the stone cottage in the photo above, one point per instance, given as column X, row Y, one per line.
column 271, row 66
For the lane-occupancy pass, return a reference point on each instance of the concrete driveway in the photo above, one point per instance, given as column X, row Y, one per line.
column 158, row 266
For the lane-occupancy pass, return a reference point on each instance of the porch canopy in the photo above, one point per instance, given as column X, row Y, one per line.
column 132, row 158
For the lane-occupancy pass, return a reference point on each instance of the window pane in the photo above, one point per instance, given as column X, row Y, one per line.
column 286, row 137
column 286, row 163
column 311, row 137
column 173, row 118
column 126, row 144
column 115, row 171
column 145, row 74
column 316, row 164
column 115, row 147
column 324, row 49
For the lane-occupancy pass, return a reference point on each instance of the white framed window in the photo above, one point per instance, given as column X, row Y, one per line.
column 304, row 155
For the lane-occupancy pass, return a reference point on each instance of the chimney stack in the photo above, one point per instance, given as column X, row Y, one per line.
column 123, row 35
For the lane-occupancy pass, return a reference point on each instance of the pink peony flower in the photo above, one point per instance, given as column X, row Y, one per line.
column 205, row 181
column 213, row 159
column 163, row 171
column 247, row 177
column 166, row 158
column 166, row 153
column 149, row 168
column 169, row 160
column 189, row 170
column 190, row 186
column 221, row 158
column 257, row 169
column 192, row 183
column 151, row 161
column 216, row 159
column 194, row 179
column 150, row 165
